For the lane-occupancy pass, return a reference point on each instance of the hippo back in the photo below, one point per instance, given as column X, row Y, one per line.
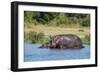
column 67, row 41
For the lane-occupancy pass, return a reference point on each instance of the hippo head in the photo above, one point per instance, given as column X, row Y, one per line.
column 47, row 45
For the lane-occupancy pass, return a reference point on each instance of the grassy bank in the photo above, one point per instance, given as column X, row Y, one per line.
column 41, row 33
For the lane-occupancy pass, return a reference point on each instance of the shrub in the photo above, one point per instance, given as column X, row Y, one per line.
column 33, row 37
column 86, row 39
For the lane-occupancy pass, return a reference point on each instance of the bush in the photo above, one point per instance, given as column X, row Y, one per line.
column 33, row 37
column 86, row 39
column 47, row 18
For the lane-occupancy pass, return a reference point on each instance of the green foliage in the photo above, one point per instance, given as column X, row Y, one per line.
column 86, row 39
column 33, row 37
column 30, row 37
column 61, row 18
column 54, row 18
column 28, row 16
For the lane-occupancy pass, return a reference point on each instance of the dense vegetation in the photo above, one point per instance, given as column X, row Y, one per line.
column 58, row 19
column 33, row 37
column 54, row 19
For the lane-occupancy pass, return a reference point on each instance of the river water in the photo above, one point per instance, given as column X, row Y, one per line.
column 32, row 52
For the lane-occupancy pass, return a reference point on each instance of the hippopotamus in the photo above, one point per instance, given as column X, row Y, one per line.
column 68, row 41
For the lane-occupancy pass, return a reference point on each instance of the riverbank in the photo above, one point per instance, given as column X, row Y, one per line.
column 50, row 30
column 46, row 31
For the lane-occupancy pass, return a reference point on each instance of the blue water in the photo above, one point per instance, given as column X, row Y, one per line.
column 32, row 52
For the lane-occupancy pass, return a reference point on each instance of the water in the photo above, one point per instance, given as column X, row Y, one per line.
column 32, row 52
